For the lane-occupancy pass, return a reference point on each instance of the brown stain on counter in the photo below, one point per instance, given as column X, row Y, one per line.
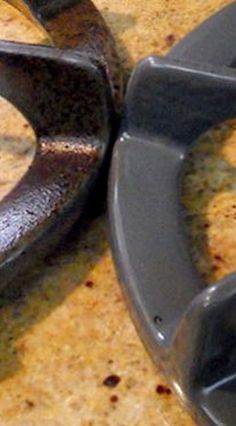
column 59, row 336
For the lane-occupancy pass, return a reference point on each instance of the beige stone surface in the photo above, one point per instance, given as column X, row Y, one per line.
column 70, row 328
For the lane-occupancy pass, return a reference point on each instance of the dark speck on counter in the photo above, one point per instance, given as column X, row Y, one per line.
column 112, row 381
column 29, row 403
column 89, row 284
column 114, row 398
column 163, row 390
column 170, row 39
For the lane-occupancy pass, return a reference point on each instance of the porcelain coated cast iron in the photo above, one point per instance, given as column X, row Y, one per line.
column 188, row 329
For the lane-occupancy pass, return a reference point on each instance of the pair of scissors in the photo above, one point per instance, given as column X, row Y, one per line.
column 70, row 93
column 189, row 330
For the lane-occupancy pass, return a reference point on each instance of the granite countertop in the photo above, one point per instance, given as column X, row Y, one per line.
column 69, row 354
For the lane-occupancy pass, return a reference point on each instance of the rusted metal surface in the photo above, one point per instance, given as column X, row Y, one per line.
column 67, row 95
column 77, row 24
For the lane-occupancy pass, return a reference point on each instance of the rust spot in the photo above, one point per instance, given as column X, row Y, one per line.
column 89, row 284
column 114, row 398
column 218, row 257
column 112, row 381
column 170, row 39
column 162, row 389
column 29, row 403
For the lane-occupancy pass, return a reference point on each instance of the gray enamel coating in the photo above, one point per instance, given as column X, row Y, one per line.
column 67, row 96
column 212, row 42
column 188, row 330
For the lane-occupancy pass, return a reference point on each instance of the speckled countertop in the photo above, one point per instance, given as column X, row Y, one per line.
column 69, row 354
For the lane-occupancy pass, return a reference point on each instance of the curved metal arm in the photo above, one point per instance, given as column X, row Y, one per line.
column 190, row 331
column 73, row 124
column 77, row 24
column 68, row 97
column 168, row 106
